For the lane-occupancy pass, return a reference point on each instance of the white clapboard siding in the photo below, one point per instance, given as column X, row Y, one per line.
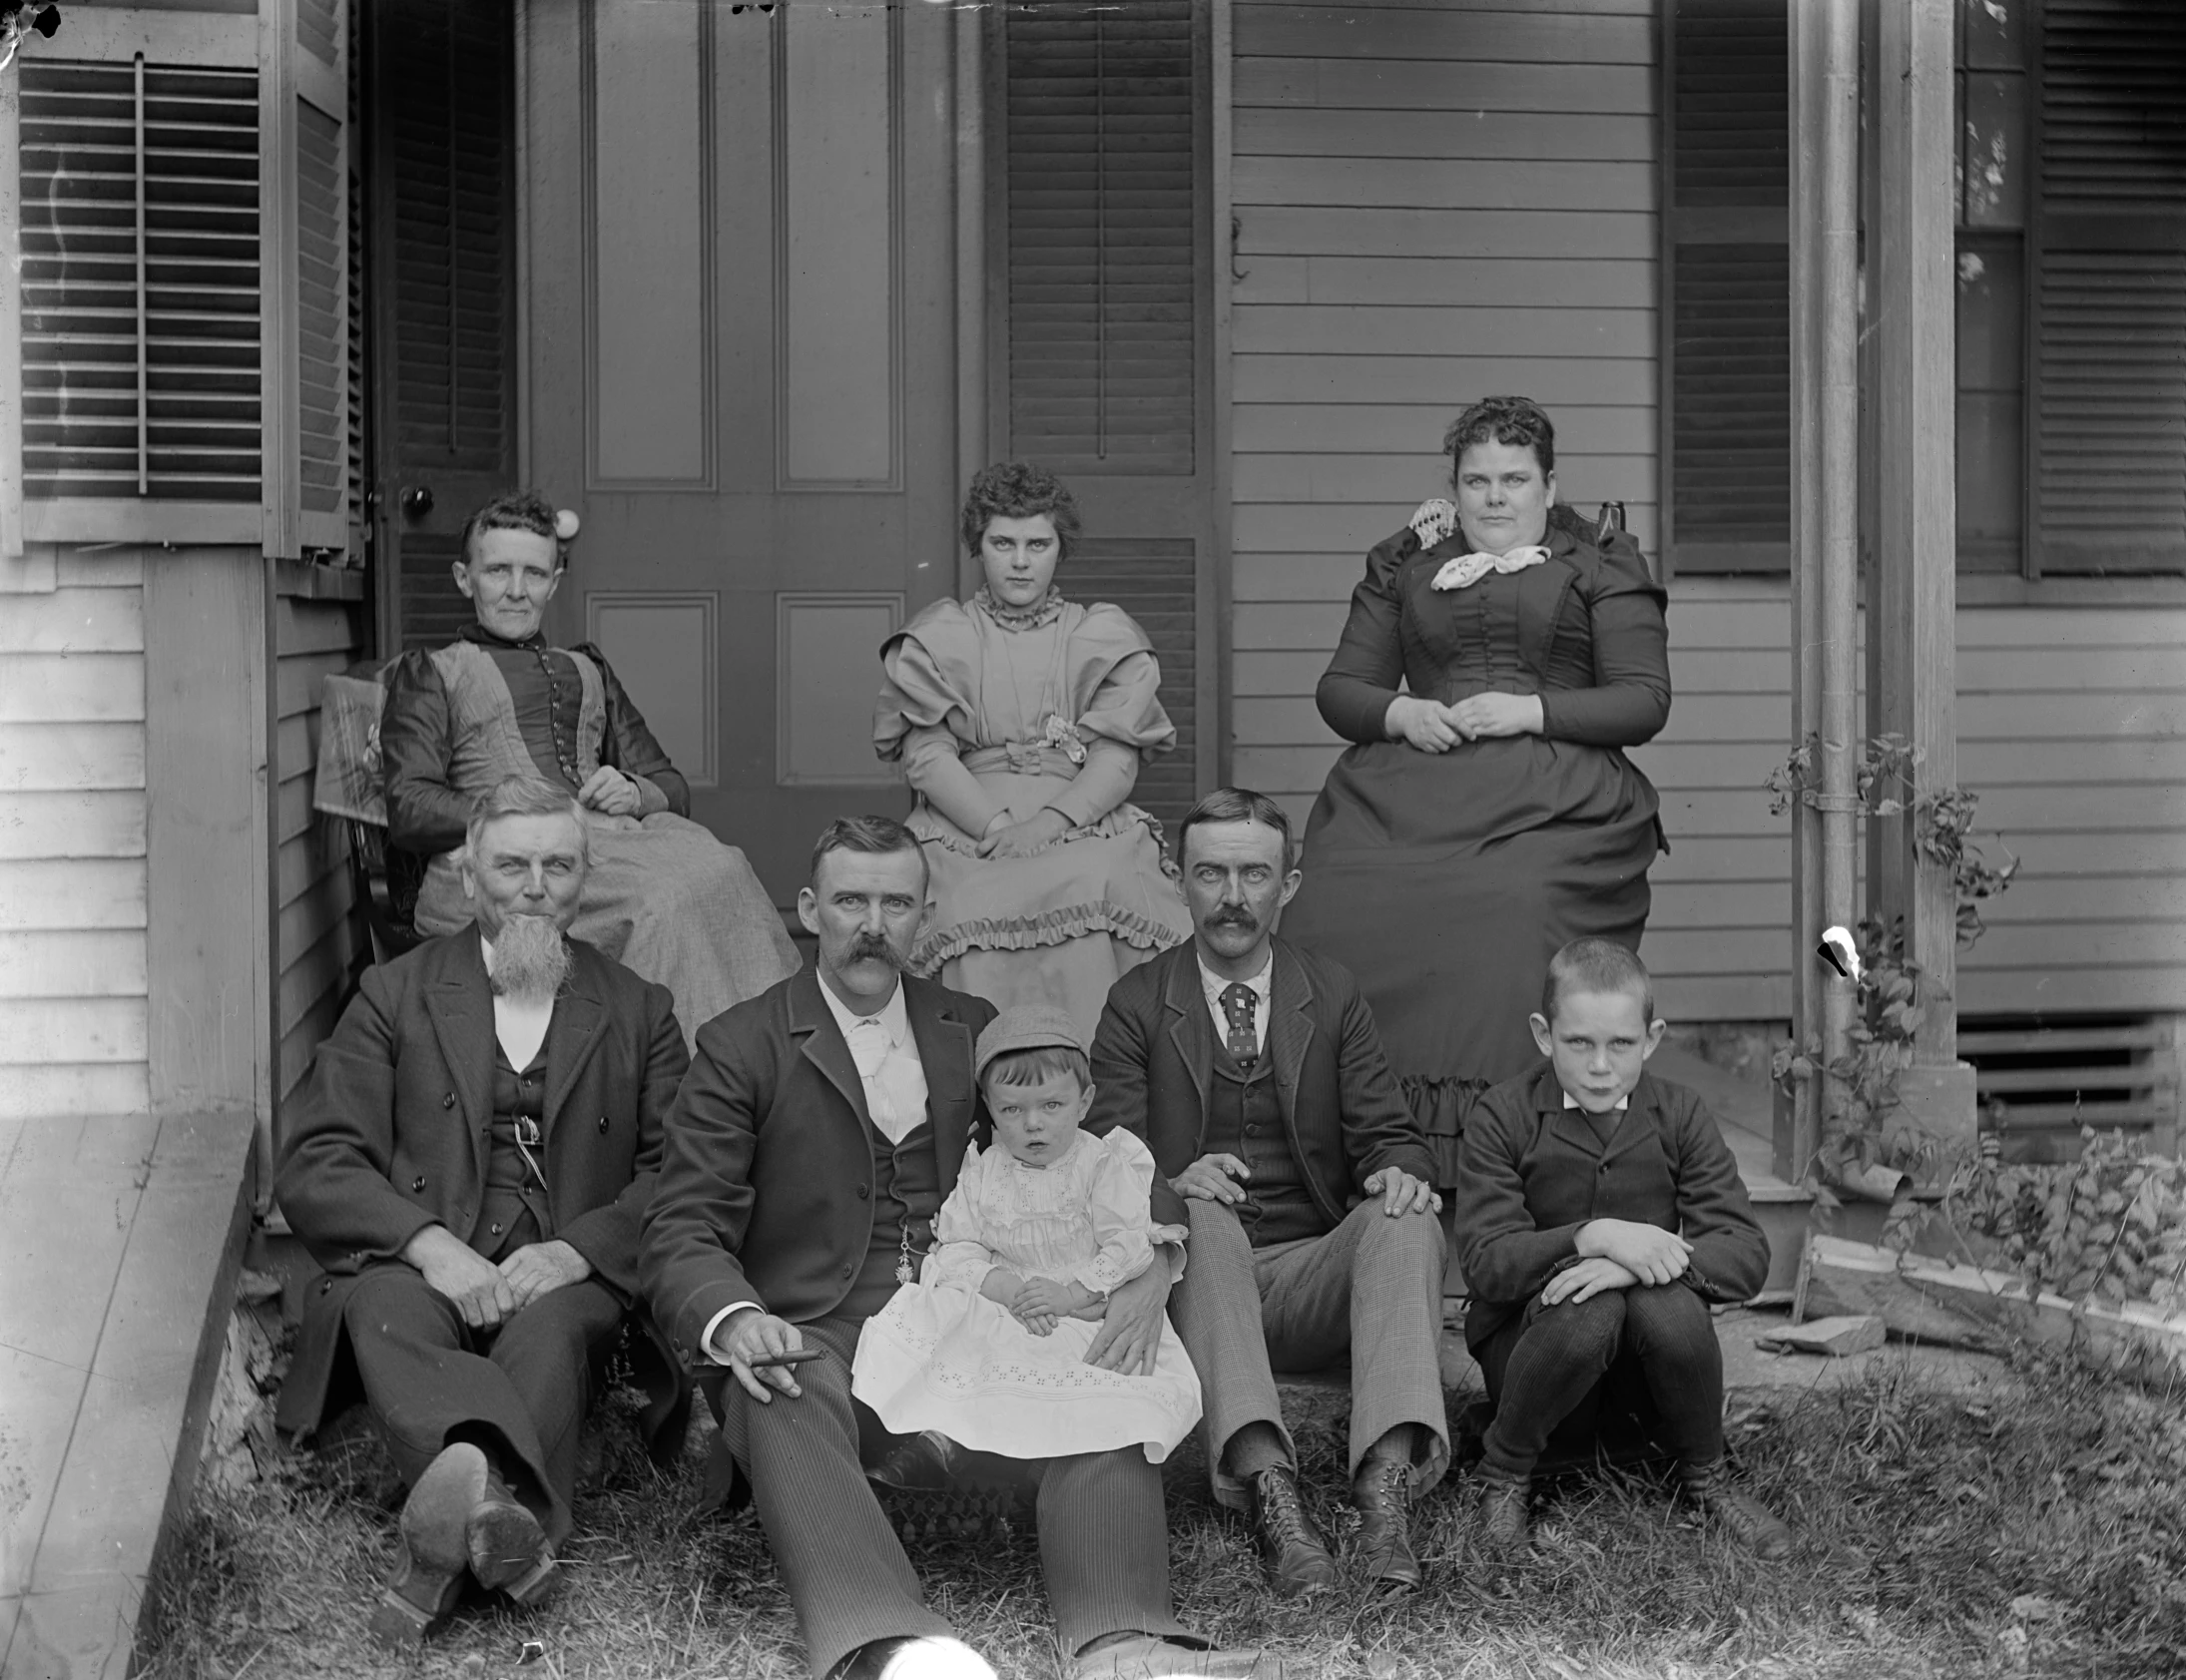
column 1433, row 203
column 1440, row 201
column 2073, row 728
column 313, row 933
column 73, row 1014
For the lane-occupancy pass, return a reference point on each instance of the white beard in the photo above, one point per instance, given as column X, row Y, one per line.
column 530, row 959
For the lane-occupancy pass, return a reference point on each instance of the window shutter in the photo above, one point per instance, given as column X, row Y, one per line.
column 307, row 79
column 1726, row 277
column 140, row 317
column 447, row 270
column 2110, row 333
column 1099, row 183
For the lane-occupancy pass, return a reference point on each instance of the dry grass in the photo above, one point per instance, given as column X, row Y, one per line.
column 2037, row 1526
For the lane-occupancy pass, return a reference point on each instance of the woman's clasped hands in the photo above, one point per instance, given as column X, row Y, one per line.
column 1434, row 728
column 1007, row 839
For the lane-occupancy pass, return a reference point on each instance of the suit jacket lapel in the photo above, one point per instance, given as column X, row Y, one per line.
column 1190, row 1030
column 825, row 1047
column 945, row 1055
column 459, row 1001
column 1290, row 1031
column 1570, row 1126
column 574, row 1032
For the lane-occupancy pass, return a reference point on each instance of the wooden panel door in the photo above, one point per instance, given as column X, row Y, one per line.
column 441, row 185
column 740, row 369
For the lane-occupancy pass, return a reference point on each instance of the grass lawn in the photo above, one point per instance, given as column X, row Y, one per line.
column 2035, row 1525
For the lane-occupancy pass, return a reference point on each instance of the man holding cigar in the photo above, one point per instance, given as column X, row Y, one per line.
column 820, row 1128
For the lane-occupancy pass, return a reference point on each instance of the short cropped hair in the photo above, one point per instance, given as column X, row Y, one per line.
column 1517, row 422
column 525, row 796
column 1239, row 804
column 517, row 510
column 874, row 835
column 1596, row 965
column 1019, row 491
column 1041, row 1062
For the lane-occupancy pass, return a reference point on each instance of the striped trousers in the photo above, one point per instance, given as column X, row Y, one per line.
column 1372, row 1287
column 1104, row 1540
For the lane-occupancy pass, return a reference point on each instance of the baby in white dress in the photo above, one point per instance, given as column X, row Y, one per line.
column 987, row 1348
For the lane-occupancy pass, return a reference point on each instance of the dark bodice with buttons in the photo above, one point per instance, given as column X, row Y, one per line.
column 1583, row 628
column 426, row 814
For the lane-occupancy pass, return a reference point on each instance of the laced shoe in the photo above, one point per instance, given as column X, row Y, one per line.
column 1291, row 1548
column 1382, row 1495
column 1751, row 1523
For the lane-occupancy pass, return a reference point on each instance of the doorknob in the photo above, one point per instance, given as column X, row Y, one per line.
column 417, row 500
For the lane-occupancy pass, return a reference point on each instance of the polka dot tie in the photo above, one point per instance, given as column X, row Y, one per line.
column 1238, row 1003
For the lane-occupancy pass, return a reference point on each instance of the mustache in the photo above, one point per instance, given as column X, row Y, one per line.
column 872, row 947
column 1237, row 918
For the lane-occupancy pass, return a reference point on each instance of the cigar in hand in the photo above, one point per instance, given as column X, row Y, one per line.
column 795, row 1355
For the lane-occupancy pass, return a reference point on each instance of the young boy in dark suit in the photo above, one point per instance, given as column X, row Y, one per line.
column 1599, row 1213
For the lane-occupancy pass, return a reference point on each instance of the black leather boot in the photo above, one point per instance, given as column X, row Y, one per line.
column 1382, row 1494
column 1503, row 1527
column 1751, row 1523
column 1296, row 1556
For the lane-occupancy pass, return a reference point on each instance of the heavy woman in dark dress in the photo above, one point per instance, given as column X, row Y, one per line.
column 1487, row 814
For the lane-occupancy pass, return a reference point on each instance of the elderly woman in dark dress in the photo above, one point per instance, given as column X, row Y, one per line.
column 1497, row 660
column 662, row 895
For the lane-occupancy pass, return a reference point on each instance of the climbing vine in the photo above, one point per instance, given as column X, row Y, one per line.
column 1894, row 995
column 2109, row 1227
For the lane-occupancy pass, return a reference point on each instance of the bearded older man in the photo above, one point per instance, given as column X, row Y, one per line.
column 470, row 1162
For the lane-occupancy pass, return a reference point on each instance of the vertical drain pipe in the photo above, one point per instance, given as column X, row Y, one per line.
column 1840, row 581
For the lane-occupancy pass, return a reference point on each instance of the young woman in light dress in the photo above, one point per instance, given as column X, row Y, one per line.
column 1021, row 721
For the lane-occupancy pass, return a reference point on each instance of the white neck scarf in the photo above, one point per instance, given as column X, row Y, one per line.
column 1436, row 521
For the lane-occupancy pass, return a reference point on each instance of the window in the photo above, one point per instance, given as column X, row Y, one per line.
column 2071, row 286
column 187, row 282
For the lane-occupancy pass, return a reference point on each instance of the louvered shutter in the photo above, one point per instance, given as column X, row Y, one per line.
column 309, row 75
column 445, row 157
column 2109, row 319
column 141, row 291
column 1100, row 215
column 1726, row 277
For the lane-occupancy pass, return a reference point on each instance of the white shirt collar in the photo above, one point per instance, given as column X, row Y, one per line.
column 892, row 1017
column 1624, row 1102
column 1213, row 985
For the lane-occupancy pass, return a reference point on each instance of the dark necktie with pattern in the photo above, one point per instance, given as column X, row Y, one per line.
column 1238, row 1003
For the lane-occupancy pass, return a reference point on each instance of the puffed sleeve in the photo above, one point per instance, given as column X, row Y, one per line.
column 629, row 745
column 1630, row 699
column 927, row 680
column 425, row 813
column 1120, row 1198
column 1115, row 682
column 1361, row 679
column 959, row 1259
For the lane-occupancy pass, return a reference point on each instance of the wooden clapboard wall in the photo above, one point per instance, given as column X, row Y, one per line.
column 1439, row 202
column 73, row 1012
column 318, row 632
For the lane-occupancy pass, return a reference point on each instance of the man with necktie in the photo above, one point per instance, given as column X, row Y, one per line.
column 1252, row 1071
column 822, row 1125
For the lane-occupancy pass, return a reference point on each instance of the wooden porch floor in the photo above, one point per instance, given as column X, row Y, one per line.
column 120, row 1237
